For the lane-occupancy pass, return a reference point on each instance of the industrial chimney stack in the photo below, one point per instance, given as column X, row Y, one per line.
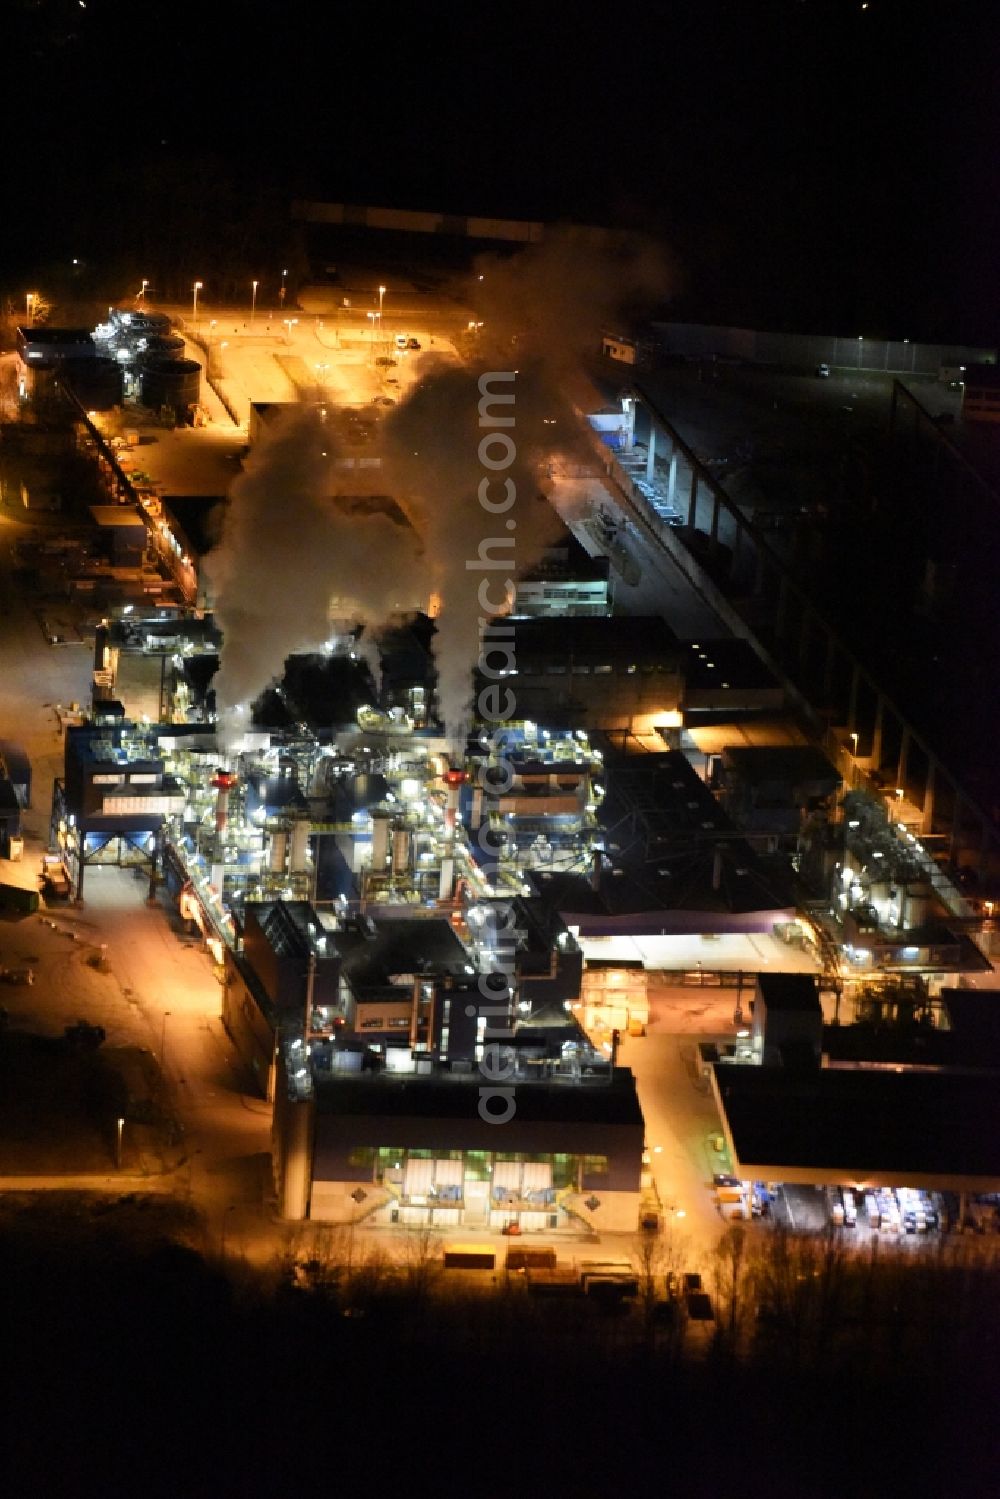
column 454, row 780
column 224, row 782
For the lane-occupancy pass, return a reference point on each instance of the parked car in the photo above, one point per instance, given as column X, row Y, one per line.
column 385, row 363
column 413, row 343
column 823, row 371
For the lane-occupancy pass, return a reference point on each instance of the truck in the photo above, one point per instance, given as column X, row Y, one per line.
column 17, row 898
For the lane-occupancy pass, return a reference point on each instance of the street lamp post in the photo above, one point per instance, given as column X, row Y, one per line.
column 281, row 293
column 381, row 294
column 253, row 301
column 142, row 292
column 118, row 1143
column 194, row 301
column 29, row 306
column 163, row 1042
column 371, row 317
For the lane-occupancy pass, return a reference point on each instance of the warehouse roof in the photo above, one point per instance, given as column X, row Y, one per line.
column 795, row 763
column 862, row 1124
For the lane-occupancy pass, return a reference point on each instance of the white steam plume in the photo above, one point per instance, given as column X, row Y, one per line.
column 287, row 551
column 434, row 469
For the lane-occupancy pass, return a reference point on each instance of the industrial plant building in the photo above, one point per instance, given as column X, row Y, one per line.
column 424, row 1150
column 910, row 1102
column 358, row 880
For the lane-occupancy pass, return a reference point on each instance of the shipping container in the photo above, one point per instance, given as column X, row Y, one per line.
column 559, row 1282
column 531, row 1259
column 469, row 1257
column 18, row 898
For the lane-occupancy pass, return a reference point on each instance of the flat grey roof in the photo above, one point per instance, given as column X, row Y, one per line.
column 864, row 1123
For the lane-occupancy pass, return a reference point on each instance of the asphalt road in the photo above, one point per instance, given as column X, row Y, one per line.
column 161, row 992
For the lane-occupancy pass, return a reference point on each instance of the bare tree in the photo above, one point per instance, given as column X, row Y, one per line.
column 421, row 1259
column 648, row 1255
column 732, row 1274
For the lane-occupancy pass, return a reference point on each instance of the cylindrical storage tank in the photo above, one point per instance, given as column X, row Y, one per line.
column 170, row 344
column 150, row 323
column 916, row 905
column 400, row 851
column 164, row 381
column 299, row 858
column 277, row 852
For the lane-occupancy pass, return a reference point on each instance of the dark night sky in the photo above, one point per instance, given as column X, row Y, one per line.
column 812, row 163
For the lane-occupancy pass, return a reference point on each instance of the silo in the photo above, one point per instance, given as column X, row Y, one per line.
column 164, row 381
column 145, row 323
column 170, row 344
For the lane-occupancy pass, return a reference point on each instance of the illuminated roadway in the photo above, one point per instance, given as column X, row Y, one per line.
column 153, row 973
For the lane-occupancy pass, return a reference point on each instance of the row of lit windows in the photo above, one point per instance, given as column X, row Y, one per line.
column 479, row 1163
column 582, row 669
